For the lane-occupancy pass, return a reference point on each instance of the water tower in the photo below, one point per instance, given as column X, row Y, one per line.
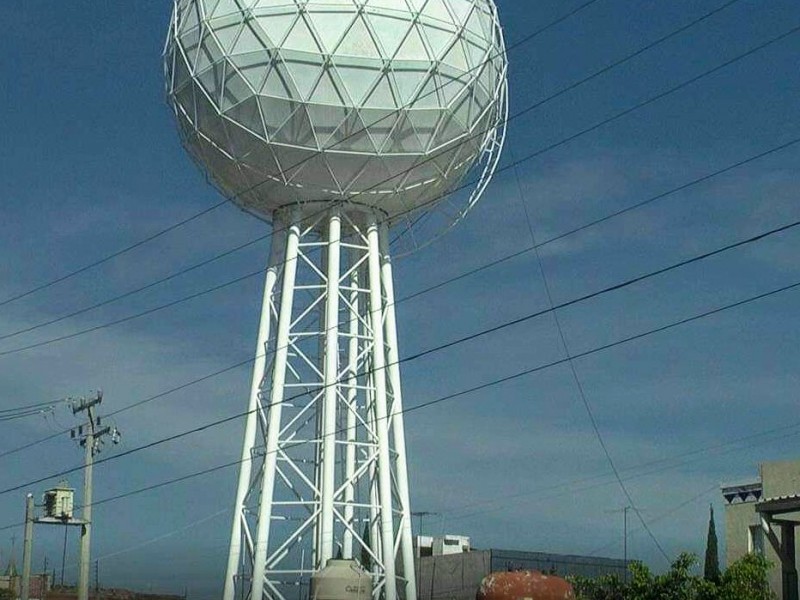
column 336, row 121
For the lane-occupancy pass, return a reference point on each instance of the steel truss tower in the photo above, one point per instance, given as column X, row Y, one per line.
column 323, row 472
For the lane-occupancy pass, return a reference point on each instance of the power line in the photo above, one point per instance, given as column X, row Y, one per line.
column 537, row 492
column 670, row 464
column 485, row 266
column 111, row 256
column 135, row 291
column 29, row 410
column 25, row 414
column 32, row 406
column 539, row 497
column 204, row 212
column 595, row 222
column 514, row 322
column 574, row 372
column 451, row 396
column 662, row 516
column 536, row 105
column 635, row 107
column 552, row 146
column 461, row 393
column 514, row 164
column 164, row 536
column 504, row 501
column 571, row 490
column 592, row 295
column 128, row 318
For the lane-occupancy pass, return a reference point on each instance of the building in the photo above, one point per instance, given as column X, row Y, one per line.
column 426, row 545
column 761, row 516
column 457, row 576
column 40, row 584
column 11, row 579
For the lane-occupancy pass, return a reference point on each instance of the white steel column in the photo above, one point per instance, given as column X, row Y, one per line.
column 251, row 424
column 274, row 410
column 351, row 408
column 393, row 356
column 331, row 393
column 374, row 496
column 381, row 424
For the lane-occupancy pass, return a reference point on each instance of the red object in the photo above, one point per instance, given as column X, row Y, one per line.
column 524, row 585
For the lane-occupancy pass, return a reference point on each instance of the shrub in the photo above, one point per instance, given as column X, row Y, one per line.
column 744, row 579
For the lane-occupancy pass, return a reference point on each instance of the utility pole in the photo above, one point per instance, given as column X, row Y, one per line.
column 64, row 554
column 624, row 510
column 420, row 514
column 91, row 438
column 27, row 548
column 625, row 541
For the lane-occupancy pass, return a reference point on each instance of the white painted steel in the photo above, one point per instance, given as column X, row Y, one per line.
column 396, row 415
column 273, row 411
column 251, row 424
column 376, row 304
column 331, row 392
column 385, row 104
column 336, row 119
column 351, row 408
column 331, row 460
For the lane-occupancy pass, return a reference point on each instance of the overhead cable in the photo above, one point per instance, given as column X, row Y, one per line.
column 514, row 164
column 660, row 517
column 449, row 397
column 667, row 464
column 576, row 379
column 252, row 242
column 592, row 295
column 495, row 500
column 212, row 208
column 627, row 111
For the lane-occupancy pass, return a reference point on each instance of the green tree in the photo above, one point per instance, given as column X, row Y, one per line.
column 677, row 583
column 711, row 569
column 366, row 559
column 746, row 578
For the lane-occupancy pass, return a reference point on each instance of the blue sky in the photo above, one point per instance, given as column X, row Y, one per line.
column 90, row 162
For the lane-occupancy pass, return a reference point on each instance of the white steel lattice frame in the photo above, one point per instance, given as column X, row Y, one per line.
column 382, row 103
column 324, row 462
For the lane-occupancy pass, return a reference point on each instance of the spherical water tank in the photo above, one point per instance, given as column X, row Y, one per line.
column 382, row 103
column 524, row 585
column 341, row 580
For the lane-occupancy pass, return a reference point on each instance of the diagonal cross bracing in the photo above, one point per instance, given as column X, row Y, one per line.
column 327, row 475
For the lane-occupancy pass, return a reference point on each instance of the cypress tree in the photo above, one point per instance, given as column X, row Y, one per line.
column 711, row 571
column 366, row 559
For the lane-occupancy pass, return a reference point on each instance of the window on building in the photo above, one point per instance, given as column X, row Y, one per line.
column 755, row 540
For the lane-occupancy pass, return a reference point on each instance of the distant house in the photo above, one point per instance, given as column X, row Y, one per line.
column 761, row 516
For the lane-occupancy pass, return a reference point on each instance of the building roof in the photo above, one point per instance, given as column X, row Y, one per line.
column 750, row 491
column 779, row 505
